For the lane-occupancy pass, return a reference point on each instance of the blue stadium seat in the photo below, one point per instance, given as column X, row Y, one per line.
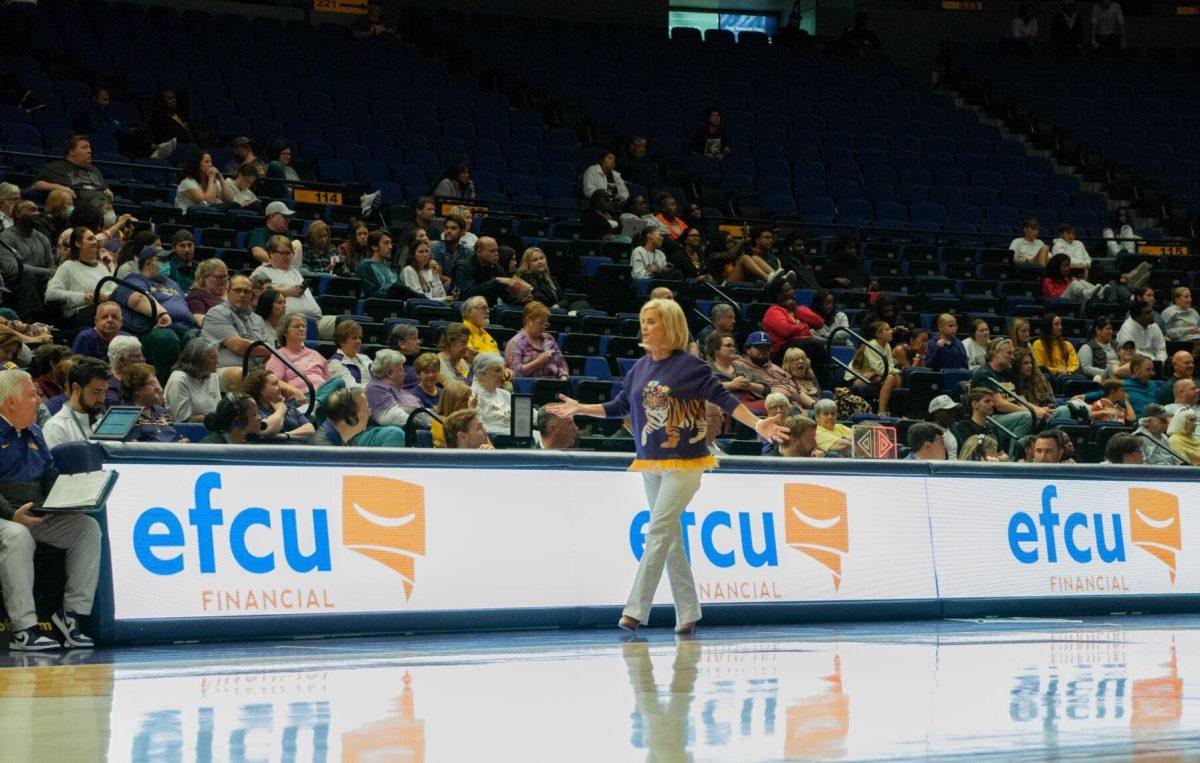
column 782, row 206
column 891, row 210
column 335, row 170
column 929, row 213
column 816, row 205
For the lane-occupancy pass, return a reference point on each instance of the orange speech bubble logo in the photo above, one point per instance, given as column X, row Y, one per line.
column 384, row 519
column 1158, row 701
column 816, row 524
column 400, row 736
column 1154, row 523
column 817, row 726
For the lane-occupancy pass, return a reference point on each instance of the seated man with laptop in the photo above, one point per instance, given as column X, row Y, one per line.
column 87, row 383
column 27, row 474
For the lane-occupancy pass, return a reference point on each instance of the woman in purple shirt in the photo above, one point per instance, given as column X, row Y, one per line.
column 390, row 403
column 208, row 290
column 664, row 396
column 532, row 351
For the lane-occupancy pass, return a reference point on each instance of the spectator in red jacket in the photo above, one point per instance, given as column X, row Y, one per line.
column 792, row 325
column 1059, row 282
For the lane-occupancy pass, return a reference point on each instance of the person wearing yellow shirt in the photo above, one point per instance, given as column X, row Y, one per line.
column 1182, row 434
column 475, row 313
column 831, row 436
column 1051, row 351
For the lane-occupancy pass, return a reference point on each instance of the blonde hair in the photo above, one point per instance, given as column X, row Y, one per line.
column 464, row 213
column 976, row 442
column 671, row 315
column 943, row 319
column 796, row 352
column 57, row 202
column 210, row 267
column 319, row 228
column 1178, row 292
column 860, row 362
column 523, row 265
column 1015, row 325
column 426, row 361
column 455, row 396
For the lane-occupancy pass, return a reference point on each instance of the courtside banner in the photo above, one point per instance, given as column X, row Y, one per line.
column 192, row 541
column 198, row 541
column 763, row 538
column 1027, row 538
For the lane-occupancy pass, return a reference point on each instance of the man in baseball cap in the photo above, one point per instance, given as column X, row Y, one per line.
column 1152, row 430
column 758, row 339
column 276, row 224
column 942, row 403
column 755, row 363
column 152, row 251
column 943, row 411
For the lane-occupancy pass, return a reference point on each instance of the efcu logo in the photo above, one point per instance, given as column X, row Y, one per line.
column 817, row 525
column 384, row 519
column 1154, row 524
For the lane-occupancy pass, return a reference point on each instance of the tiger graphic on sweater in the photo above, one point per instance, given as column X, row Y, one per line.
column 665, row 412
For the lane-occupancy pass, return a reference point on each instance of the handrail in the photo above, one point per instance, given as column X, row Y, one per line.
column 855, row 335
column 319, row 184
column 1145, row 436
column 410, row 425
column 798, row 223
column 994, row 422
column 113, row 162
column 153, row 302
column 312, row 391
column 998, row 387
column 723, row 295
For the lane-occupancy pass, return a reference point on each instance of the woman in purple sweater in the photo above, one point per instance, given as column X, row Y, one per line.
column 664, row 396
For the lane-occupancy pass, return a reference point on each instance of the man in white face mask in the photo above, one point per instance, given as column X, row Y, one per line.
column 9, row 196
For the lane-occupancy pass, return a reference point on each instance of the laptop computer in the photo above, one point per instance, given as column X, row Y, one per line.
column 116, row 423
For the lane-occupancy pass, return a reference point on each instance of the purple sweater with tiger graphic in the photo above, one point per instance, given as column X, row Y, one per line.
column 664, row 400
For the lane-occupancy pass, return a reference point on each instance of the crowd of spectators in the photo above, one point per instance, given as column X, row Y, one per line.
column 192, row 324
column 1074, row 29
column 210, row 329
column 101, row 309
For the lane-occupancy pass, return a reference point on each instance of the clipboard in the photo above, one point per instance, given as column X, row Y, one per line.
column 83, row 492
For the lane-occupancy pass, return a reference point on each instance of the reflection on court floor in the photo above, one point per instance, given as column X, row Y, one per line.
column 1117, row 688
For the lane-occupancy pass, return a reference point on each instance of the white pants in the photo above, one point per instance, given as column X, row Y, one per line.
column 78, row 534
column 1079, row 290
column 668, row 494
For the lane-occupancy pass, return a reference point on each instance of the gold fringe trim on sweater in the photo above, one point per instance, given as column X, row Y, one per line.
column 671, row 464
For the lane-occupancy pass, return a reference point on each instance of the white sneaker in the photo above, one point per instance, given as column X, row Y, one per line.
column 368, row 201
column 29, row 640
column 1139, row 276
column 163, row 150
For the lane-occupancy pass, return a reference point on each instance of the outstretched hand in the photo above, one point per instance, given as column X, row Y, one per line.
column 770, row 430
column 566, row 408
